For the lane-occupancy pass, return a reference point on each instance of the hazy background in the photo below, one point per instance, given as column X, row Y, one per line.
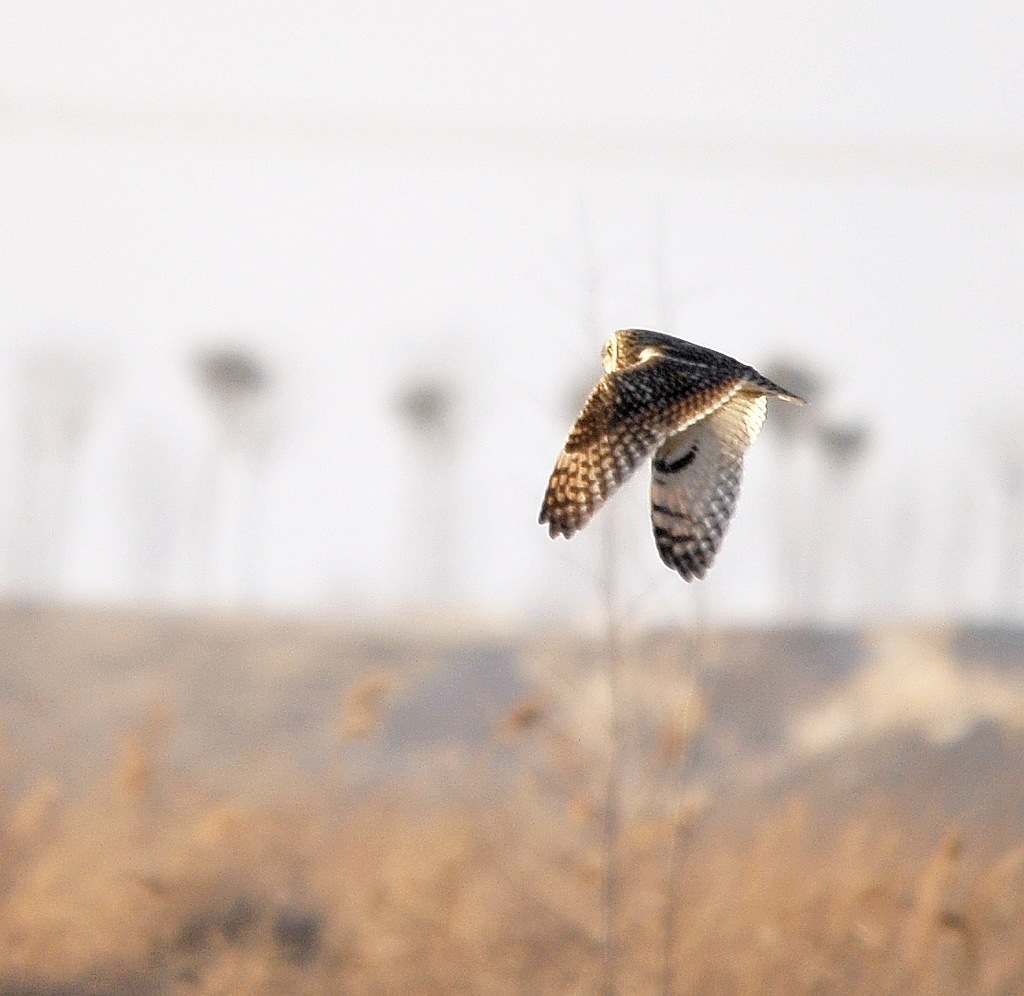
column 457, row 204
column 297, row 304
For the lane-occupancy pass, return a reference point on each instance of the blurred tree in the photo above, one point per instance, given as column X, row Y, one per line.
column 236, row 384
column 56, row 399
column 426, row 405
column 153, row 512
column 1009, row 467
column 793, row 431
column 842, row 445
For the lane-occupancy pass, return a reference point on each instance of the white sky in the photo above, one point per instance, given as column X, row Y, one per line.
column 371, row 190
column 940, row 69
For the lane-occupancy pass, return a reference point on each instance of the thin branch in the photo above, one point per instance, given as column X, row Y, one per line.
column 676, row 840
column 612, row 793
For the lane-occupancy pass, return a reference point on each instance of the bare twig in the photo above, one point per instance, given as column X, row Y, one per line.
column 680, row 831
column 612, row 793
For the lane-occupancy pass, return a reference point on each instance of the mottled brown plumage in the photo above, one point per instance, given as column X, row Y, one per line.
column 695, row 410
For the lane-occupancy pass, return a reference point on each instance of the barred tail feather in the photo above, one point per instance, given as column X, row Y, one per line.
column 695, row 482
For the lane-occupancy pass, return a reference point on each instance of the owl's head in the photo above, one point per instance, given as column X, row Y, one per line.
column 628, row 347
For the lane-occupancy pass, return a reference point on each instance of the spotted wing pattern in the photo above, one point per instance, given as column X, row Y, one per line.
column 695, row 481
column 628, row 415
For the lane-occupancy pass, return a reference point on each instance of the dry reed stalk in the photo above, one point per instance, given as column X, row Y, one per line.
column 669, row 924
column 612, row 815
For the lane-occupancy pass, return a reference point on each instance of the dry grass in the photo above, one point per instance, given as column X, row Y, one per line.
column 363, row 706
column 145, row 884
column 892, row 865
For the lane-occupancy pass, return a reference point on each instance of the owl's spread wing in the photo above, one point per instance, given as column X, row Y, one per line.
column 695, row 481
column 627, row 416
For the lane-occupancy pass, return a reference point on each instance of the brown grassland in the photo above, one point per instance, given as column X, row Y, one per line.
column 153, row 876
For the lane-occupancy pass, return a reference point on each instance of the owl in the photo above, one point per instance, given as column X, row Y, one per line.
column 694, row 411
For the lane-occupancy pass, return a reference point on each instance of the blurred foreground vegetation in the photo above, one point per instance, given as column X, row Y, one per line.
column 891, row 862
column 146, row 885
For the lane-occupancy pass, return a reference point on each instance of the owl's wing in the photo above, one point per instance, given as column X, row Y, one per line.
column 627, row 416
column 695, row 481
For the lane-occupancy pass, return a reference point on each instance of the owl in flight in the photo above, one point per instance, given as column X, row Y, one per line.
column 695, row 410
